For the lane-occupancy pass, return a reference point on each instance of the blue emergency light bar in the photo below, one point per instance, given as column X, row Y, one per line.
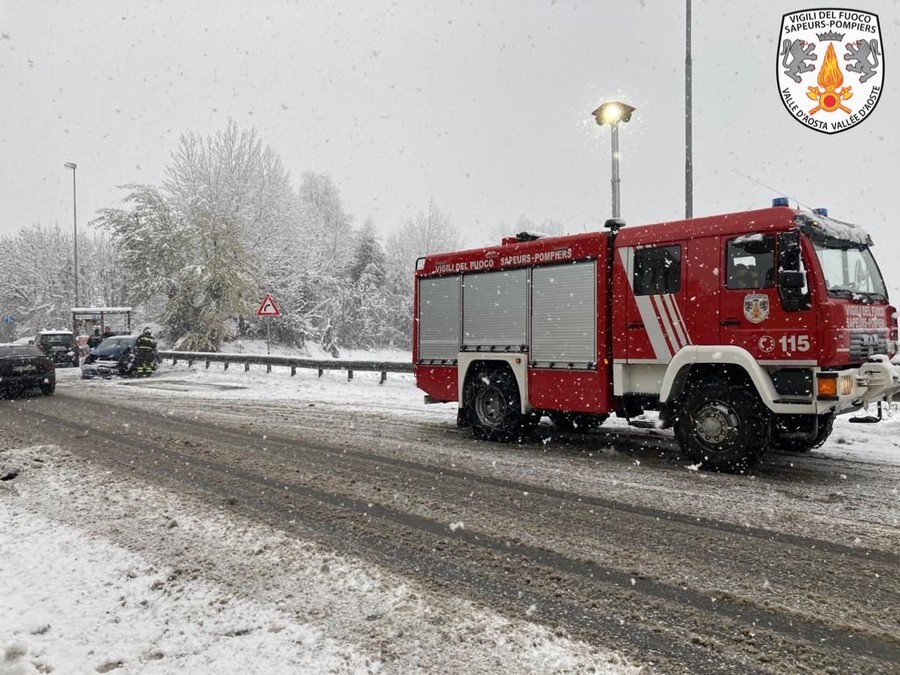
column 780, row 201
column 821, row 211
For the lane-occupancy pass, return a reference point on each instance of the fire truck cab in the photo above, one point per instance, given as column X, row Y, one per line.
column 745, row 331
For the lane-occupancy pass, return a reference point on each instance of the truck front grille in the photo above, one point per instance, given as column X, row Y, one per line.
column 864, row 345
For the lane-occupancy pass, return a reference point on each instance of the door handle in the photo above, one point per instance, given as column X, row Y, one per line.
column 730, row 322
column 634, row 325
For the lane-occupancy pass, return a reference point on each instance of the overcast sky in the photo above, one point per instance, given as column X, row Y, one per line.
column 482, row 106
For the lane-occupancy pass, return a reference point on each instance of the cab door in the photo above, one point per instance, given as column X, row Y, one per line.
column 751, row 315
column 701, row 301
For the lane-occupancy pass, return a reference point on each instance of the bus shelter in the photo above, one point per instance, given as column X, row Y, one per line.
column 115, row 320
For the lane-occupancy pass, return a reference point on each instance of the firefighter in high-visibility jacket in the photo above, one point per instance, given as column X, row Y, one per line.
column 145, row 351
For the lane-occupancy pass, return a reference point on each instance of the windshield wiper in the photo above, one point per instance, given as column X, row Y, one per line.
column 865, row 297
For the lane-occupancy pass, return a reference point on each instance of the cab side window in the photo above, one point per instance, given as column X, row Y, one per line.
column 657, row 270
column 750, row 262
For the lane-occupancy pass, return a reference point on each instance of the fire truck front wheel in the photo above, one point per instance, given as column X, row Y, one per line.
column 723, row 427
column 494, row 407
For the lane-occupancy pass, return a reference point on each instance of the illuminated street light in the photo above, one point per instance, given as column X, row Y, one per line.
column 73, row 166
column 614, row 113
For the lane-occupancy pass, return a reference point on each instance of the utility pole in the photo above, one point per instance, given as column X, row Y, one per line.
column 73, row 166
column 688, row 130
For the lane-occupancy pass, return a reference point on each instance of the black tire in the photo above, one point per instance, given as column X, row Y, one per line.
column 723, row 427
column 784, row 432
column 127, row 366
column 494, row 407
column 48, row 389
column 580, row 422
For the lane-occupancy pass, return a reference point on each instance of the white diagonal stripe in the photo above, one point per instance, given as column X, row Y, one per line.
column 662, row 311
column 652, row 326
column 677, row 320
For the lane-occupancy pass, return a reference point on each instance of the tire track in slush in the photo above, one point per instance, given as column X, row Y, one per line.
column 285, row 443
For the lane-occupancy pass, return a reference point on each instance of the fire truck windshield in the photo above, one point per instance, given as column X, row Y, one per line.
column 850, row 271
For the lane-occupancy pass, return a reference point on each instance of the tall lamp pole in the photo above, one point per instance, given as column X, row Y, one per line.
column 688, row 123
column 73, row 166
column 614, row 113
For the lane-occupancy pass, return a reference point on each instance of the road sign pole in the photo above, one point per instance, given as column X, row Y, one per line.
column 266, row 311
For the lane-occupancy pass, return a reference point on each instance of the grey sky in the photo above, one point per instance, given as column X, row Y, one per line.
column 483, row 106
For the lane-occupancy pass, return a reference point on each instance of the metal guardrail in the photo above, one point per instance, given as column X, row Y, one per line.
column 267, row 360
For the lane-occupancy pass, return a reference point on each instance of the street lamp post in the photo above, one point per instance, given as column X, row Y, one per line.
column 688, row 119
column 614, row 113
column 73, row 166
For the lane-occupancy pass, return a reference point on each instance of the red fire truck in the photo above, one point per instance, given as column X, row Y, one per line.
column 745, row 331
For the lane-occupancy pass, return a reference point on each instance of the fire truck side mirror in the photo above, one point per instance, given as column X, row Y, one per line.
column 792, row 279
column 792, row 287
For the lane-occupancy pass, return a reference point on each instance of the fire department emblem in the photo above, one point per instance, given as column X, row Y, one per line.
column 830, row 67
column 756, row 307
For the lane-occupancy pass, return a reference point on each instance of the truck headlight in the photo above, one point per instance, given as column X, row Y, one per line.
column 830, row 386
column 845, row 384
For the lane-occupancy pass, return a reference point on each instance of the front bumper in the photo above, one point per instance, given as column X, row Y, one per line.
column 854, row 388
column 26, row 381
column 100, row 369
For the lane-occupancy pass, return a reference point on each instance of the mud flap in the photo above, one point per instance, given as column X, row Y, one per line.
column 867, row 419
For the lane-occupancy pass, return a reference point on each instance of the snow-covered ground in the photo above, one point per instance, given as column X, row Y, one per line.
column 78, row 597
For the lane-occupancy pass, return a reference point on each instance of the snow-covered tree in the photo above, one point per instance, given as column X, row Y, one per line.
column 306, row 269
column 154, row 245
column 102, row 280
column 367, row 254
column 427, row 232
column 226, row 226
column 366, row 317
column 200, row 240
column 323, row 215
column 37, row 285
column 36, row 278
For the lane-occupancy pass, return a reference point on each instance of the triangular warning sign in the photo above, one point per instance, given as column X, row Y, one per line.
column 268, row 307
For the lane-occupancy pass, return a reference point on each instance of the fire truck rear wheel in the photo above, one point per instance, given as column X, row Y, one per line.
column 494, row 407
column 723, row 427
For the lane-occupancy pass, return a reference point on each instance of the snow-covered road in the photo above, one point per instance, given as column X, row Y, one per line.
column 106, row 573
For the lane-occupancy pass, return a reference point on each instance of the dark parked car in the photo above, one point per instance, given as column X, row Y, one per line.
column 24, row 367
column 59, row 345
column 114, row 356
